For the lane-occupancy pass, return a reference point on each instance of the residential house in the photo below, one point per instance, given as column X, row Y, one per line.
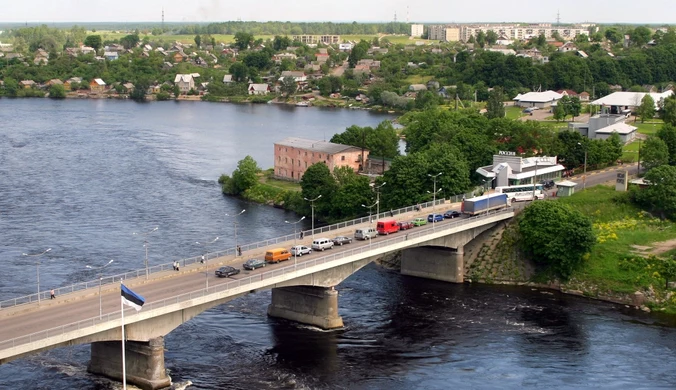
column 537, row 99
column 41, row 57
column 111, row 55
column 185, row 82
column 179, row 56
column 361, row 69
column 447, row 91
column 584, row 96
column 27, row 84
column 417, row 87
column 345, row 46
column 154, row 89
column 72, row 51
column 293, row 156
column 53, row 82
column 67, row 85
column 87, row 50
column 322, row 57
column 167, row 65
column 567, row 92
column 568, row 46
column 298, row 76
column 227, row 79
column 312, row 67
column 582, row 54
column 284, row 56
column 128, row 87
column 97, row 86
column 259, row 89
column 10, row 56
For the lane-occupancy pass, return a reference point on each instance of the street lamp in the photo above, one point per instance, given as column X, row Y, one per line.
column 434, row 201
column 312, row 206
column 234, row 219
column 145, row 245
column 206, row 258
column 38, row 267
column 295, row 250
column 370, row 207
column 100, row 271
column 434, row 196
column 377, row 188
column 584, row 176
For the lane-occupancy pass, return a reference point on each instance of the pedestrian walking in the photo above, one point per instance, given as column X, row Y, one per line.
column 176, row 265
column 51, row 294
column 202, row 260
column 239, row 250
column 301, row 235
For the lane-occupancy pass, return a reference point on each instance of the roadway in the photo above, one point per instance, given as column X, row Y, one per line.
column 82, row 305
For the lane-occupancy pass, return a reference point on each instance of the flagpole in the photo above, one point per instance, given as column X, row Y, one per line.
column 124, row 366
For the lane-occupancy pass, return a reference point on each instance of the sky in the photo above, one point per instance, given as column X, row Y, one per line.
column 446, row 11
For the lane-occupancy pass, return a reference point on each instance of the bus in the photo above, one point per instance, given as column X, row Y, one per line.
column 522, row 192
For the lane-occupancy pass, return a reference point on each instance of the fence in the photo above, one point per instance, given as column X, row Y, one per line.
column 32, row 298
column 150, row 306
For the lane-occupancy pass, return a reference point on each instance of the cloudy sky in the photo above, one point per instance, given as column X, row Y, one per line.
column 600, row 11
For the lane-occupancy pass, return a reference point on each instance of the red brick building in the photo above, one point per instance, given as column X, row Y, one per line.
column 293, row 156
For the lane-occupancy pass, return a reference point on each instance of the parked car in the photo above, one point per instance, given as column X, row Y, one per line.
column 547, row 184
column 435, row 218
column 321, row 244
column 406, row 225
column 365, row 234
column 252, row 264
column 341, row 240
column 226, row 271
column 452, row 214
column 419, row 222
column 300, row 250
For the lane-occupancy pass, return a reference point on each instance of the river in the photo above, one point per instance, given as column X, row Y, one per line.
column 80, row 176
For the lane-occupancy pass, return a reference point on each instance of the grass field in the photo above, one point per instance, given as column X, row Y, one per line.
column 648, row 127
column 513, row 112
column 418, row 79
column 620, row 227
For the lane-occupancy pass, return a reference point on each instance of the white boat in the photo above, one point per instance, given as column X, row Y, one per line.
column 302, row 104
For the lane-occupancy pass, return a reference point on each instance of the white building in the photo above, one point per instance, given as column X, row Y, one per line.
column 508, row 169
column 537, row 99
column 417, row 30
column 185, row 82
column 625, row 102
column 523, row 32
column 602, row 126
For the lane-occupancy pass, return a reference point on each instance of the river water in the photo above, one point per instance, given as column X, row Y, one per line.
column 81, row 176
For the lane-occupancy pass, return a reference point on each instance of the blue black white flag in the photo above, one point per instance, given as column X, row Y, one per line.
column 131, row 298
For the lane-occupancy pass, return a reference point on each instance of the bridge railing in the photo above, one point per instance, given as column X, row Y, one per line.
column 43, row 295
column 381, row 242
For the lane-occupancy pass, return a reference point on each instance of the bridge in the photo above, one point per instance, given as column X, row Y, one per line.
column 302, row 290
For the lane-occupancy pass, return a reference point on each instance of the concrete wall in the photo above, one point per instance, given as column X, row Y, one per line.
column 316, row 306
column 431, row 262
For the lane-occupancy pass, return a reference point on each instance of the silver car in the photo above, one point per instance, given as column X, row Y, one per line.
column 300, row 250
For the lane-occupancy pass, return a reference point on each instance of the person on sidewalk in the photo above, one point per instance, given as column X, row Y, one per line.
column 202, row 260
column 239, row 250
column 51, row 294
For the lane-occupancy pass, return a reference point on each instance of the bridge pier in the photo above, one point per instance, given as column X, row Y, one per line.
column 434, row 262
column 144, row 361
column 310, row 305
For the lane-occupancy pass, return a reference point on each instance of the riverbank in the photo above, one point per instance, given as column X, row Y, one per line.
column 620, row 268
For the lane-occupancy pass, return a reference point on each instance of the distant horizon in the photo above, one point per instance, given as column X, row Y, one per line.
column 320, row 11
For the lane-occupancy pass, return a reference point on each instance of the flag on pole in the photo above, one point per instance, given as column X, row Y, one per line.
column 131, row 298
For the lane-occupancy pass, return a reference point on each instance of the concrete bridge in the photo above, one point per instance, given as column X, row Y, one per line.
column 302, row 290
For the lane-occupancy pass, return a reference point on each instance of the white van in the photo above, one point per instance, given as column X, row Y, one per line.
column 320, row 244
column 365, row 234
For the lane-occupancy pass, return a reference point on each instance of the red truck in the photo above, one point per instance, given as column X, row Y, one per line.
column 387, row 226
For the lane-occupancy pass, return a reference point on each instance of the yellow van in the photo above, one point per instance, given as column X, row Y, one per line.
column 276, row 255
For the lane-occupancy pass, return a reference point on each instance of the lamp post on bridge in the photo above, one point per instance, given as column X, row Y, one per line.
column 100, row 272
column 370, row 207
column 312, row 206
column 295, row 248
column 377, row 189
column 206, row 259
column 434, row 200
column 234, row 219
column 145, row 245
column 434, row 214
column 37, row 263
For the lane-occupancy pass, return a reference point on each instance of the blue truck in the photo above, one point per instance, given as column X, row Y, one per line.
column 484, row 203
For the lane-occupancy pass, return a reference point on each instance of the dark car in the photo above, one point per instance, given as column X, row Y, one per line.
column 435, row 218
column 226, row 271
column 252, row 264
column 406, row 225
column 452, row 214
column 341, row 240
column 547, row 184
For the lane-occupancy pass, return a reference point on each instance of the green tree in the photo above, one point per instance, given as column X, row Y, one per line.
column 574, row 107
column 654, row 153
column 246, row 175
column 353, row 191
column 318, row 180
column 129, row 41
column 668, row 111
column 57, row 91
column 667, row 269
column 556, row 236
column 383, row 141
column 491, row 37
column 94, row 41
column 559, row 112
column 239, row 72
column 288, row 86
column 358, row 52
column 281, row 43
column 613, row 35
column 647, row 108
column 660, row 195
column 495, row 106
column 198, row 40
column 243, row 40
column 667, row 133
column 640, row 35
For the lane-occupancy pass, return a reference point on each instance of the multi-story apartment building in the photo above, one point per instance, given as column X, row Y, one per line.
column 417, row 30
column 522, row 32
column 293, row 156
column 315, row 39
column 444, row 33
